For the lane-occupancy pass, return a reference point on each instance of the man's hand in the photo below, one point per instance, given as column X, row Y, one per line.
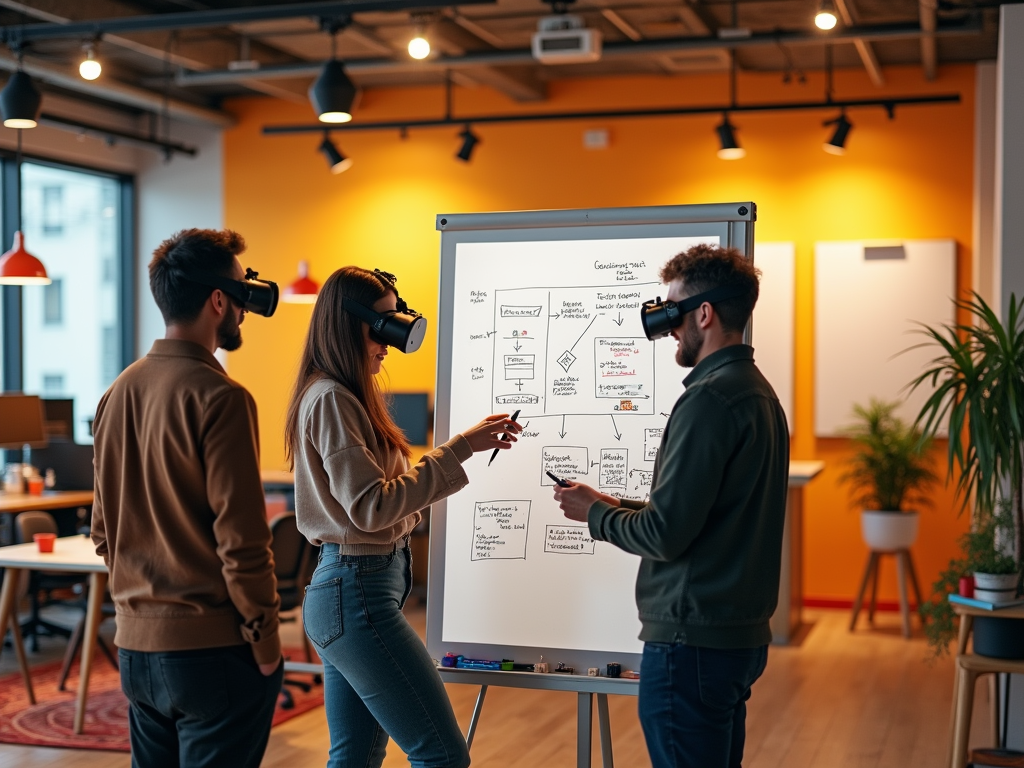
column 577, row 498
column 268, row 669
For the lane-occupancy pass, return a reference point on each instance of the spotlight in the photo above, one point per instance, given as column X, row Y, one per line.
column 20, row 102
column 826, row 16
column 419, row 47
column 836, row 145
column 729, row 148
column 337, row 162
column 332, row 94
column 90, row 68
column 469, row 142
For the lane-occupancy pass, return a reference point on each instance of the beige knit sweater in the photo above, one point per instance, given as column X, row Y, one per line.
column 351, row 490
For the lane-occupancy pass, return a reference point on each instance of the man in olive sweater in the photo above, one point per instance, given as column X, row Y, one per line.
column 710, row 536
column 179, row 518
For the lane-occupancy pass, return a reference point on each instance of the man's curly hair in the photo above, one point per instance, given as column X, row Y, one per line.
column 704, row 267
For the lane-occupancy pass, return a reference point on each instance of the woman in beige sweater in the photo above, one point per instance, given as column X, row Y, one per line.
column 357, row 496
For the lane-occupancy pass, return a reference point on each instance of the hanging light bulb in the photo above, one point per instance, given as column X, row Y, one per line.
column 303, row 290
column 20, row 102
column 335, row 159
column 419, row 46
column 729, row 147
column 90, row 68
column 19, row 267
column 469, row 142
column 826, row 16
column 837, row 144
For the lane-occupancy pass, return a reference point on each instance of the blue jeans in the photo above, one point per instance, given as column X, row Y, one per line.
column 379, row 680
column 693, row 703
column 209, row 707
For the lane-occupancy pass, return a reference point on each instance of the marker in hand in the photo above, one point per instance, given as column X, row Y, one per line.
column 558, row 480
column 503, row 437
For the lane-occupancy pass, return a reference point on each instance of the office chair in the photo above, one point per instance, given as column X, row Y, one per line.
column 293, row 566
column 41, row 583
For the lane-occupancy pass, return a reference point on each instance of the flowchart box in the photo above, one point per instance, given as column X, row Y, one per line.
column 652, row 442
column 500, row 529
column 568, row 540
column 613, row 467
column 624, row 368
column 568, row 462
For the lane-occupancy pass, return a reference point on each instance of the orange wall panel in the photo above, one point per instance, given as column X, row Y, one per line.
column 910, row 177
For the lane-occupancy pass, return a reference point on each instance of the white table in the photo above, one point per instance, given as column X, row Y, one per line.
column 71, row 554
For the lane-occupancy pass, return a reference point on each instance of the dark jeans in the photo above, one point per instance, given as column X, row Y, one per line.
column 693, row 703
column 210, row 707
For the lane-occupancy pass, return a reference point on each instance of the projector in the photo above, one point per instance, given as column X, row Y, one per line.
column 563, row 39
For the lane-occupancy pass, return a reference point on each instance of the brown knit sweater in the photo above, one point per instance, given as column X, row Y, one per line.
column 179, row 515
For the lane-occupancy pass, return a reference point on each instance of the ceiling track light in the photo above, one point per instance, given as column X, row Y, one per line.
column 826, row 18
column 337, row 162
column 729, row 148
column 837, row 144
column 469, row 142
column 90, row 68
column 20, row 102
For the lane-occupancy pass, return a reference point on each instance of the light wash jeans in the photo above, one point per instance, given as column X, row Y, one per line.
column 379, row 680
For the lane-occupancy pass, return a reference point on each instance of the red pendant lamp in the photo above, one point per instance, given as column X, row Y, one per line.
column 304, row 289
column 19, row 267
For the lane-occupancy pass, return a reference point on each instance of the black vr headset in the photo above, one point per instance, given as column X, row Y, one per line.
column 257, row 296
column 660, row 317
column 402, row 328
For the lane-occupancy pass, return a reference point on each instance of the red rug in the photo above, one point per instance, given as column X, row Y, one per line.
column 49, row 722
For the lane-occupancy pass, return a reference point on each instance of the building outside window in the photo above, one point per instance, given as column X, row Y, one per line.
column 53, row 302
column 53, row 384
column 53, row 210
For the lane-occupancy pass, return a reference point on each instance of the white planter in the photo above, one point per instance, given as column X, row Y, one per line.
column 995, row 587
column 888, row 531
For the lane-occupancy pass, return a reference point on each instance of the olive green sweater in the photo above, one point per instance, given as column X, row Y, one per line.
column 710, row 537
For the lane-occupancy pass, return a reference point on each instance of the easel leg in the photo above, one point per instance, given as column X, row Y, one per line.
column 584, row 719
column 605, row 726
column 475, row 719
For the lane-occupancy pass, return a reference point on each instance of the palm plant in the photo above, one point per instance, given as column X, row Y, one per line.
column 890, row 467
column 978, row 396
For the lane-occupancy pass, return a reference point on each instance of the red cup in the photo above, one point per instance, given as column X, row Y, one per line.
column 45, row 541
column 35, row 486
column 966, row 586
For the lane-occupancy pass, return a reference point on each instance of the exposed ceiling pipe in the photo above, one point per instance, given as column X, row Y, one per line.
column 611, row 51
column 113, row 136
column 120, row 93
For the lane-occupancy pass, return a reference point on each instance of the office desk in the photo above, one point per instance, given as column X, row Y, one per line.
column 71, row 554
column 13, row 503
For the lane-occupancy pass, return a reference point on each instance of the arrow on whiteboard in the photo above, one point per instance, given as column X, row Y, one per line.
column 562, row 433
column 518, row 346
column 619, row 321
column 584, row 333
column 618, row 435
column 594, row 463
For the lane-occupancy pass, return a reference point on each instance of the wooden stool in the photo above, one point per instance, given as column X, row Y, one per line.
column 904, row 570
column 968, row 667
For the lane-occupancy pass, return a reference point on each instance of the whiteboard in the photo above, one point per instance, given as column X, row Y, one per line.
column 544, row 317
column 774, row 320
column 869, row 301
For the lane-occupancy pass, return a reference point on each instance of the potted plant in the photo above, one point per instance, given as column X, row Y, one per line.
column 977, row 397
column 888, row 472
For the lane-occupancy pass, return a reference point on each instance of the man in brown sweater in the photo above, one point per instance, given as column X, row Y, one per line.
column 179, row 519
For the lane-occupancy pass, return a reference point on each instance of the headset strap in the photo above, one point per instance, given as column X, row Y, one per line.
column 721, row 293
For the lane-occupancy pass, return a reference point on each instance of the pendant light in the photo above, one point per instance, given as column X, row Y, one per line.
column 333, row 93
column 825, row 18
column 90, row 68
column 20, row 102
column 303, row 290
column 18, row 266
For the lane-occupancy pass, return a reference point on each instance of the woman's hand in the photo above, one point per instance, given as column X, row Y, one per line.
column 487, row 435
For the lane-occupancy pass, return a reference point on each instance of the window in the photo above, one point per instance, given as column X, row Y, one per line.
column 53, row 210
column 53, row 311
column 53, row 384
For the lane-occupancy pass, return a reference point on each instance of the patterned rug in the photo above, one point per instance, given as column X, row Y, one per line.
column 49, row 722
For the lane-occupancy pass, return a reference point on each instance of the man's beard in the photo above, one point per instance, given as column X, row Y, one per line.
column 689, row 345
column 229, row 334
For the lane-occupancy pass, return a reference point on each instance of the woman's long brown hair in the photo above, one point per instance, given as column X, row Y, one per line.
column 336, row 349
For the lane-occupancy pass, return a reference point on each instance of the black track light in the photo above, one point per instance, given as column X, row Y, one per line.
column 469, row 142
column 335, row 159
column 836, row 145
column 729, row 148
column 20, row 102
column 332, row 94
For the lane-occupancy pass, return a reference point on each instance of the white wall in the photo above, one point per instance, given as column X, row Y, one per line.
column 984, row 279
column 186, row 192
column 1009, row 240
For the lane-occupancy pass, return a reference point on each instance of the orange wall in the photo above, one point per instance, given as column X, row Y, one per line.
column 907, row 178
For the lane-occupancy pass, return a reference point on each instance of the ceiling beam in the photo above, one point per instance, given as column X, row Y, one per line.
column 473, row 28
column 622, row 25
column 695, row 19
column 929, row 54
column 864, row 48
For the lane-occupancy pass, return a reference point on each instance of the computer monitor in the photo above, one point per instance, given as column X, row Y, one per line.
column 59, row 417
column 21, row 421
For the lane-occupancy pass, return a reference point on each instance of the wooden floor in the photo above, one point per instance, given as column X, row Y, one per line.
column 864, row 700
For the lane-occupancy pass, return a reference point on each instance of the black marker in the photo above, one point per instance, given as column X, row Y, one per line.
column 563, row 483
column 503, row 437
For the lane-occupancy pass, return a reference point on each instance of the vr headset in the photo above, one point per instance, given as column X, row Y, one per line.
column 660, row 317
column 256, row 296
column 402, row 328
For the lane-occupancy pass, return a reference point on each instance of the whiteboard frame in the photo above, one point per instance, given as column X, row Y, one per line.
column 725, row 220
